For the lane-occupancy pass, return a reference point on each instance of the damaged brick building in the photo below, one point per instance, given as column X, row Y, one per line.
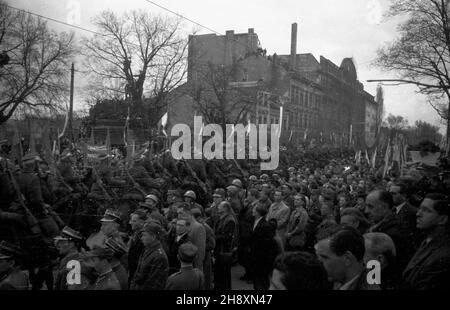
column 320, row 99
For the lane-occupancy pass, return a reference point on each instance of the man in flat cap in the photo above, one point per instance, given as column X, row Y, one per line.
column 100, row 259
column 153, row 267
column 11, row 277
column 188, row 278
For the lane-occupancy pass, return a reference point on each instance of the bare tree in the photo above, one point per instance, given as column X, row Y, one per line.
column 37, row 73
column 421, row 54
column 137, row 54
column 217, row 98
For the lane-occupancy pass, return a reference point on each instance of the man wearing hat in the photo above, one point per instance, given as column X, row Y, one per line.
column 11, row 277
column 135, row 246
column 174, row 200
column 153, row 267
column 100, row 259
column 117, row 267
column 190, row 197
column 30, row 185
column 178, row 234
column 218, row 197
column 188, row 278
column 110, row 229
column 68, row 245
column 150, row 207
column 233, row 197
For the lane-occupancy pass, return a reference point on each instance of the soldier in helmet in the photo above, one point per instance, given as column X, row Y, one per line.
column 190, row 197
column 150, row 206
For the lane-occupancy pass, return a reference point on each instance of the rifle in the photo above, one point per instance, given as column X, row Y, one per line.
column 192, row 172
column 29, row 217
column 100, row 183
column 135, row 184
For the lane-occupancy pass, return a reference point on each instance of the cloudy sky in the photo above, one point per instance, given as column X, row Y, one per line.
column 334, row 29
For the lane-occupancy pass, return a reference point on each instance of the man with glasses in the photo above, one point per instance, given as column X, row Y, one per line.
column 430, row 266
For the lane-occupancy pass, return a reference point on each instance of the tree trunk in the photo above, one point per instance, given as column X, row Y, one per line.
column 447, row 147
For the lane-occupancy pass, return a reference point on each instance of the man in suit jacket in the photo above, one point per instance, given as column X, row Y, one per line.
column 342, row 256
column 263, row 249
column 197, row 234
column 430, row 266
column 405, row 212
column 226, row 241
column 380, row 210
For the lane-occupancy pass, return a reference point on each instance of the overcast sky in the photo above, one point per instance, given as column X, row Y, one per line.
column 334, row 29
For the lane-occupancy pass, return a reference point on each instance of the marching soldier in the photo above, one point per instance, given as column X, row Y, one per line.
column 190, row 197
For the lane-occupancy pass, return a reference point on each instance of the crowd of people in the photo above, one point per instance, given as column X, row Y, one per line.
column 316, row 223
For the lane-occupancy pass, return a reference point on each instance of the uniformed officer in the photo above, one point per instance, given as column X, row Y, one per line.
column 116, row 262
column 153, row 266
column 68, row 245
column 188, row 278
column 100, row 259
column 110, row 229
column 11, row 277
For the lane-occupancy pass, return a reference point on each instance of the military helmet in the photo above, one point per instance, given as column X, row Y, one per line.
column 190, row 194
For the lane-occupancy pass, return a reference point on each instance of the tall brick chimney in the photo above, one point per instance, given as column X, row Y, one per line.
column 293, row 46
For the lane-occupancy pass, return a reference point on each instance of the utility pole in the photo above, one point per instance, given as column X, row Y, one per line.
column 72, row 71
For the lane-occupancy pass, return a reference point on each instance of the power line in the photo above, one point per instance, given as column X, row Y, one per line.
column 55, row 20
column 67, row 24
column 182, row 16
column 194, row 22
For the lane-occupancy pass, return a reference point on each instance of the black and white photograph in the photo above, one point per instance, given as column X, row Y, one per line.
column 225, row 147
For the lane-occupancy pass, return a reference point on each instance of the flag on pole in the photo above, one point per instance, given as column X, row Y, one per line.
column 108, row 140
column 163, row 123
column 249, row 122
column 290, row 136
column 351, row 135
column 281, row 121
column 358, row 157
column 66, row 121
column 17, row 144
column 387, row 157
column 374, row 157
column 367, row 157
column 92, row 139
column 125, row 129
